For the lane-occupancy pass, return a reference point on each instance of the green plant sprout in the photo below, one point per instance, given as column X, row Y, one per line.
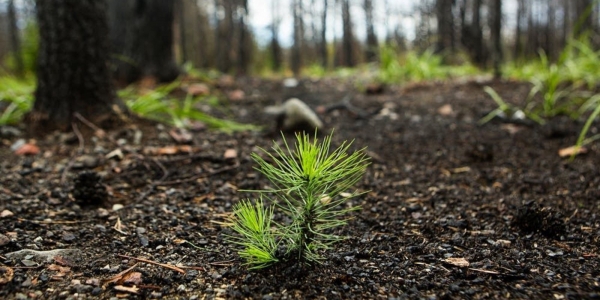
column 310, row 185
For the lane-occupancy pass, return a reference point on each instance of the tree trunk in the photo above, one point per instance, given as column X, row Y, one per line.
column 15, row 41
column 142, row 37
column 72, row 75
column 583, row 11
column 496, row 35
column 348, row 57
column 276, row 52
column 323, row 41
column 296, row 57
column 372, row 47
column 445, row 25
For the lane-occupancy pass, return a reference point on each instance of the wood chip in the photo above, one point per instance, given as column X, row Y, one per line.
column 573, row 150
column 457, row 261
column 445, row 110
column 127, row 289
column 230, row 154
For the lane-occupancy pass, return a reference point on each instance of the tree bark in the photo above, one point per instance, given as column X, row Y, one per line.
column 142, row 37
column 445, row 25
column 348, row 57
column 323, row 41
column 296, row 57
column 496, row 32
column 72, row 73
column 15, row 41
column 372, row 46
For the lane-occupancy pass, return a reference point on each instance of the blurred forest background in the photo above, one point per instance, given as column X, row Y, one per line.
column 314, row 36
column 553, row 44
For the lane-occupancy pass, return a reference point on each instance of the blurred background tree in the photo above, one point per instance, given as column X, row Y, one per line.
column 153, row 38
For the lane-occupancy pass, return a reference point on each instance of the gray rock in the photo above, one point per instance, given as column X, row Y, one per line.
column 294, row 113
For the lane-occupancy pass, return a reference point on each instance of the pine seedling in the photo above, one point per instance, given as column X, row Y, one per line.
column 310, row 183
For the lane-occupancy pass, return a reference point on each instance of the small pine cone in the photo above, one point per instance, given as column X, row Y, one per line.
column 88, row 189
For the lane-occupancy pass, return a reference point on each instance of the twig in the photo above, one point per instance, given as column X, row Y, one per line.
column 174, row 268
column 92, row 125
column 485, row 271
column 79, row 137
column 120, row 275
column 54, row 222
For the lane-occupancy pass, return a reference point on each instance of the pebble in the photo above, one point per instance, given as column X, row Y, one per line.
column 181, row 288
column 4, row 239
column 68, row 236
column 85, row 162
column 96, row 291
column 6, row 213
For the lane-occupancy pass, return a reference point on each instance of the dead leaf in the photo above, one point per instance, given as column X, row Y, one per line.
column 573, row 150
column 6, row 274
column 230, row 154
column 511, row 128
column 132, row 290
column 445, row 110
column 131, row 278
column 119, row 276
column 198, row 89
column 63, row 261
column 180, row 135
column 457, row 261
column 236, row 95
column 62, row 271
column 28, row 149
column 169, row 150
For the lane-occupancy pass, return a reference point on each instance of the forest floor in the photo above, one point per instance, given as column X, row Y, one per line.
column 454, row 210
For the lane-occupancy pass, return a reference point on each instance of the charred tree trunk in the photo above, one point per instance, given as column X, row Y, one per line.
column 496, row 35
column 244, row 46
column 583, row 11
column 518, row 47
column 372, row 47
column 348, row 57
column 296, row 57
column 142, row 37
column 15, row 41
column 323, row 41
column 276, row 52
column 472, row 35
column 445, row 25
column 72, row 73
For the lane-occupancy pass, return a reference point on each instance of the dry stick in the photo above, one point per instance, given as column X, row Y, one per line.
column 92, row 125
column 120, row 275
column 174, row 268
column 54, row 222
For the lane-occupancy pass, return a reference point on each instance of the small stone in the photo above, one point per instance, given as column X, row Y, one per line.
column 4, row 240
column 181, row 288
column 115, row 154
column 230, row 154
column 68, row 236
column 117, row 207
column 85, row 162
column 6, row 213
column 96, row 291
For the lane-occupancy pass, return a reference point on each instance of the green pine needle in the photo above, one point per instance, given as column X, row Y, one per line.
column 308, row 179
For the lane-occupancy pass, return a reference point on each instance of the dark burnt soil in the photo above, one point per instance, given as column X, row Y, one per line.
column 454, row 210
